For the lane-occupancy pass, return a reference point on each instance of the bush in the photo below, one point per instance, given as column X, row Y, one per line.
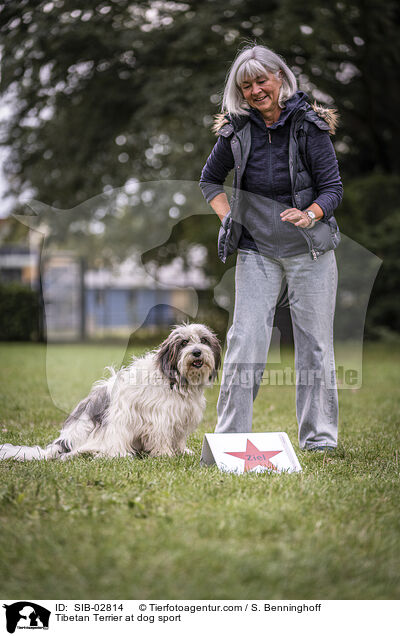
column 370, row 215
column 19, row 312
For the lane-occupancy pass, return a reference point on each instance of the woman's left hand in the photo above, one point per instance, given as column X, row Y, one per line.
column 295, row 216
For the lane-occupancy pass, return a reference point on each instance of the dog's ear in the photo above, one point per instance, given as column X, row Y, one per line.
column 217, row 351
column 167, row 359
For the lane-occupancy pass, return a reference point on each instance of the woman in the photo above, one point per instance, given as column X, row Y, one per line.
column 286, row 187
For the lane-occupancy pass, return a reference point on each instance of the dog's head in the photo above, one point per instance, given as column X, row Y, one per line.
column 190, row 355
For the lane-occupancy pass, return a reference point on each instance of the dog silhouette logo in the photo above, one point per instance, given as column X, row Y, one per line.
column 26, row 615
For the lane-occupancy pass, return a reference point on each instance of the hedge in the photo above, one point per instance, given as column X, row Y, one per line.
column 19, row 312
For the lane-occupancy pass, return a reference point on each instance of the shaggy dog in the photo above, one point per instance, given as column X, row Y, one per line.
column 150, row 406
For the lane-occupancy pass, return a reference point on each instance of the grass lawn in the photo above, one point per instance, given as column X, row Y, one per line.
column 171, row 529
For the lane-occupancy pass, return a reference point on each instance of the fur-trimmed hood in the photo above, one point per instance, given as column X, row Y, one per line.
column 329, row 115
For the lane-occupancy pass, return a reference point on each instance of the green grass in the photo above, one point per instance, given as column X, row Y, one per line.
column 169, row 528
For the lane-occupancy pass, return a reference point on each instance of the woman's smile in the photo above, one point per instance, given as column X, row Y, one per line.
column 262, row 92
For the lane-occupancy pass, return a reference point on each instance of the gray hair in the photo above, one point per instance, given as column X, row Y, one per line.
column 249, row 63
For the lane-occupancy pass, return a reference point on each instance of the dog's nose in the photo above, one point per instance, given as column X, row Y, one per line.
column 196, row 353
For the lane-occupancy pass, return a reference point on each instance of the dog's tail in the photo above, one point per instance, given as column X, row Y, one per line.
column 28, row 453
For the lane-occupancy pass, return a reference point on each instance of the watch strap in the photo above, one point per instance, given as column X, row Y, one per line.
column 313, row 220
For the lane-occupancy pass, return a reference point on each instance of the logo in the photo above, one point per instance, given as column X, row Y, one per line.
column 26, row 615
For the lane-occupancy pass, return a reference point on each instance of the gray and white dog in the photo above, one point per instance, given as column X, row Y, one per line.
column 150, row 406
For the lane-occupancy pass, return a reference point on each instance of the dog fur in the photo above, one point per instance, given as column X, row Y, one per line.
column 150, row 406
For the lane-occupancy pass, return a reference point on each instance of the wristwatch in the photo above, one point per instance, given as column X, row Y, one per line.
column 312, row 218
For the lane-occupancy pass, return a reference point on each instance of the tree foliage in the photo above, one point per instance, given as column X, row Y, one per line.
column 109, row 91
column 123, row 89
column 19, row 312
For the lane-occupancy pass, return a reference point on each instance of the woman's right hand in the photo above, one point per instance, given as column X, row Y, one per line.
column 220, row 205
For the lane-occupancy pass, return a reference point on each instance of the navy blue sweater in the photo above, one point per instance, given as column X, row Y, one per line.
column 267, row 169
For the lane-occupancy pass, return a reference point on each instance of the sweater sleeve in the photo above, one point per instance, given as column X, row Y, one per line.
column 322, row 161
column 218, row 165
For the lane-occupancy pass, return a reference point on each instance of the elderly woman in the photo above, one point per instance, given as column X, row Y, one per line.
column 280, row 221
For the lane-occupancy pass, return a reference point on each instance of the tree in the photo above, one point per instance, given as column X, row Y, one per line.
column 120, row 91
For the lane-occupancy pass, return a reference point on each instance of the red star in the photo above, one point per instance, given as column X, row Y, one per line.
column 254, row 457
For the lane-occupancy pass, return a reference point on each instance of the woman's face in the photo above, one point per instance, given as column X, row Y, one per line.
column 262, row 92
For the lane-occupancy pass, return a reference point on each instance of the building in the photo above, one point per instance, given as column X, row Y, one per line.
column 108, row 302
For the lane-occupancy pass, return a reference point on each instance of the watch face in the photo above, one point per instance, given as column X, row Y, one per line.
column 311, row 214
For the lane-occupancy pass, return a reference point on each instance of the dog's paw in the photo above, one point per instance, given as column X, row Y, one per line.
column 188, row 451
column 65, row 457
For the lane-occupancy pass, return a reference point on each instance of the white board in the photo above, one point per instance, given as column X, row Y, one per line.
column 250, row 452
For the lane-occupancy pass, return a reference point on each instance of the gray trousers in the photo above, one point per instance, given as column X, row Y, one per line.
column 311, row 295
